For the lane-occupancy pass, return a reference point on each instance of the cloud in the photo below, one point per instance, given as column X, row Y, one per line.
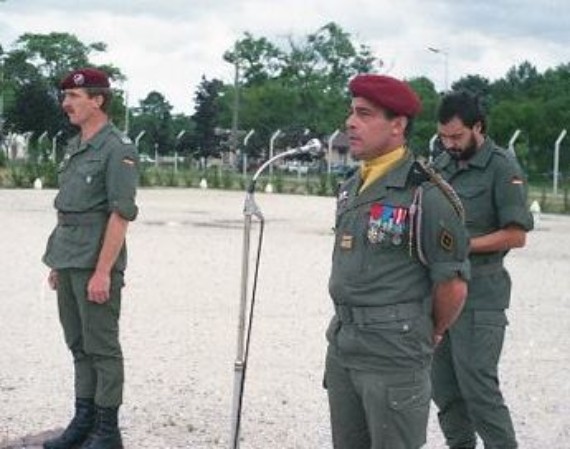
column 168, row 46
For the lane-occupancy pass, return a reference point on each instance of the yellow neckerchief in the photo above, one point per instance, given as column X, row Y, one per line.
column 374, row 169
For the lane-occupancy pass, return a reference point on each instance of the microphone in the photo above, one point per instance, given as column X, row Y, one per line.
column 314, row 147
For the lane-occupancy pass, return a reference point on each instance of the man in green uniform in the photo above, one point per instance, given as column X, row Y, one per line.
column 398, row 276
column 491, row 186
column 87, row 256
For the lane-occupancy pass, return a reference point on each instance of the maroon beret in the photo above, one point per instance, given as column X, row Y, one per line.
column 387, row 92
column 87, row 77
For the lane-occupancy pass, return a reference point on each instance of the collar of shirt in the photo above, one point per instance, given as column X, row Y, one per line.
column 444, row 162
column 100, row 136
column 374, row 169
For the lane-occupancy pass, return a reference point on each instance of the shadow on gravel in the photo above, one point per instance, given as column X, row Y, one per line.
column 30, row 441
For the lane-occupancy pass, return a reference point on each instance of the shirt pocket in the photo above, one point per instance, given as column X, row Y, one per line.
column 477, row 202
column 85, row 179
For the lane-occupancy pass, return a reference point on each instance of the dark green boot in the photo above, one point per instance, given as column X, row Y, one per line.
column 78, row 429
column 106, row 434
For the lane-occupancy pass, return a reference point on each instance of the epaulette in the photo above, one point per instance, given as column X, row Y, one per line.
column 123, row 138
column 422, row 172
column 126, row 139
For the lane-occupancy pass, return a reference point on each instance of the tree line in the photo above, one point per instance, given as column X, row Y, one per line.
column 298, row 87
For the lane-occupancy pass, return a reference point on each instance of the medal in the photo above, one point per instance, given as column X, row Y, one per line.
column 374, row 232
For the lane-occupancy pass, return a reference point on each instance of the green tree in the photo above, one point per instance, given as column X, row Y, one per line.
column 153, row 115
column 302, row 86
column 32, row 70
column 475, row 84
column 206, row 117
column 425, row 124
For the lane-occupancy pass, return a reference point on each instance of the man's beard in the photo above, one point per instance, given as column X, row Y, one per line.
column 467, row 153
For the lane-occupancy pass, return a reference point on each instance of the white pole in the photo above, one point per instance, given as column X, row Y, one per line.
column 331, row 140
column 178, row 137
column 54, row 146
column 557, row 161
column 512, row 141
column 271, row 143
column 432, row 147
column 139, row 137
column 244, row 153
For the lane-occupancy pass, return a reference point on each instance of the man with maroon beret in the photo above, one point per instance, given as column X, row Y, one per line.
column 398, row 277
column 87, row 256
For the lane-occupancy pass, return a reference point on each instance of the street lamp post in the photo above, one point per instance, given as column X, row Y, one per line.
column 445, row 54
column 235, row 112
column 127, row 124
column 2, row 57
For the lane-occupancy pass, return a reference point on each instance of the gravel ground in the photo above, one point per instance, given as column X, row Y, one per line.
column 179, row 326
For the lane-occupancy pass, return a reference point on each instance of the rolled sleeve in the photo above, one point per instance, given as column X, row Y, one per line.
column 122, row 180
column 510, row 193
column 444, row 239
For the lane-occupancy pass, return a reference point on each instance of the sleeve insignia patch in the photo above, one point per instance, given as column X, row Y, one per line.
column 446, row 240
column 128, row 161
column 517, row 181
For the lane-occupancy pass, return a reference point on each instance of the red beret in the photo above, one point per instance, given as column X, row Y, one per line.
column 387, row 92
column 87, row 77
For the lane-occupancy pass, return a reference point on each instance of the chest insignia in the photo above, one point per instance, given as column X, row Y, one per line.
column 386, row 223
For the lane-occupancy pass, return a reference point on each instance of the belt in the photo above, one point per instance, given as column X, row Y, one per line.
column 378, row 314
column 486, row 268
column 81, row 218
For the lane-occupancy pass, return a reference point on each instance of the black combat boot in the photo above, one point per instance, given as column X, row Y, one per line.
column 78, row 429
column 106, row 434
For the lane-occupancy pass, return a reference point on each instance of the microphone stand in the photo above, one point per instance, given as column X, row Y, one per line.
column 250, row 210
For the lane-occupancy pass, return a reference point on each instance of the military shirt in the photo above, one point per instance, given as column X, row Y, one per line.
column 96, row 178
column 377, row 274
column 493, row 190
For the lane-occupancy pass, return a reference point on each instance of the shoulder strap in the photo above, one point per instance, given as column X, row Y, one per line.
column 422, row 172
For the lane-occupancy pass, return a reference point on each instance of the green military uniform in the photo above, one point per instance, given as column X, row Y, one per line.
column 380, row 338
column 96, row 178
column 465, row 370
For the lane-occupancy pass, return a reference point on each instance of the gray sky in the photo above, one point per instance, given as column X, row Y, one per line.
column 168, row 45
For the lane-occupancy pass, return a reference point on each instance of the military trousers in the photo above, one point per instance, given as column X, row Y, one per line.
column 374, row 410
column 466, row 382
column 91, row 332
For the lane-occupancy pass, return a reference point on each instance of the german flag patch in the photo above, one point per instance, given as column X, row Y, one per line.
column 517, row 181
column 128, row 161
column 446, row 240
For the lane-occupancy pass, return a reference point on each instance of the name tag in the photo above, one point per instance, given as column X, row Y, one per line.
column 346, row 241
